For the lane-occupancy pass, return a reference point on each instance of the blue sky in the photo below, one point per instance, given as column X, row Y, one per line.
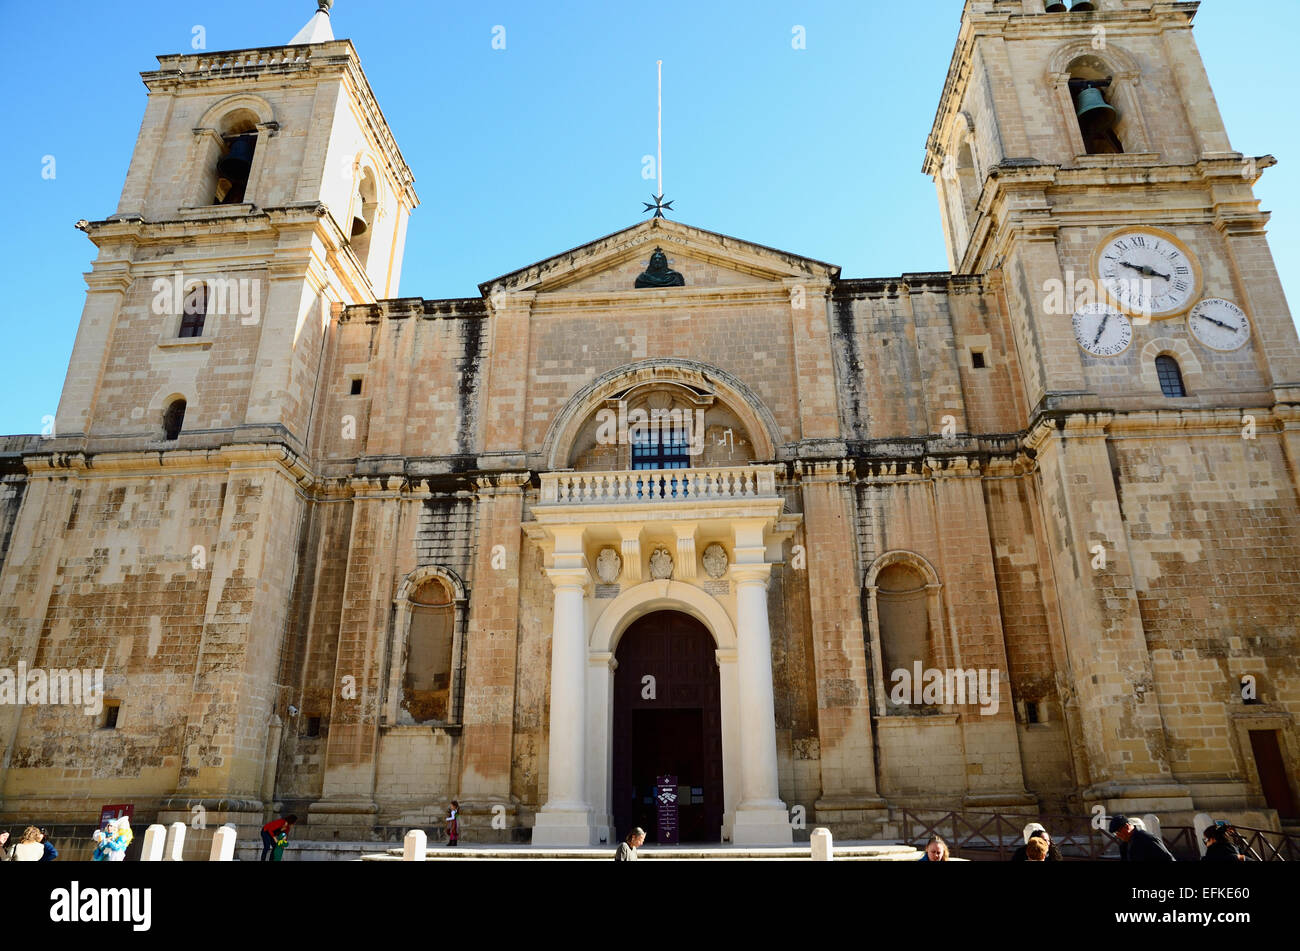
column 523, row 152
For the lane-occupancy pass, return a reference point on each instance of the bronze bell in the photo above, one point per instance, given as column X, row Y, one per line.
column 1081, row 6
column 235, row 165
column 1094, row 111
column 359, row 224
column 1055, row 6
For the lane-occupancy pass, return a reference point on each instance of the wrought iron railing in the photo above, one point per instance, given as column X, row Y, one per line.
column 994, row 837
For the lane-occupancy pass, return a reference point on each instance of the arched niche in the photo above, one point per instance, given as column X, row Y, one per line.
column 893, row 599
column 426, row 669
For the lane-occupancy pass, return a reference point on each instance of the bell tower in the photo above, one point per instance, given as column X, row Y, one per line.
column 1082, row 166
column 265, row 190
column 265, row 185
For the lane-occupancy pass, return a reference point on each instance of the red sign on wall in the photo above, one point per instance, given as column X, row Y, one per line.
column 116, row 811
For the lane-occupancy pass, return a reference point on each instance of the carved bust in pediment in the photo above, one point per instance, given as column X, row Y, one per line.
column 659, row 274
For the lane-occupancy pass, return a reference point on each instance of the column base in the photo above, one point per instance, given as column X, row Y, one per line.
column 852, row 817
column 762, row 824
column 565, row 827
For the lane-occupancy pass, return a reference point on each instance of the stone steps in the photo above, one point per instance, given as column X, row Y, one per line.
column 847, row 852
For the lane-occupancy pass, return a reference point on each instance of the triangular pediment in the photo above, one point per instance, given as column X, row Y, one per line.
column 703, row 258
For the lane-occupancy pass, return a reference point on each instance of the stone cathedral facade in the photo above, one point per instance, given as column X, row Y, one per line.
column 671, row 502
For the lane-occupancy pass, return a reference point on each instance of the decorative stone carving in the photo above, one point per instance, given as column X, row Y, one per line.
column 661, row 564
column 608, row 565
column 715, row 561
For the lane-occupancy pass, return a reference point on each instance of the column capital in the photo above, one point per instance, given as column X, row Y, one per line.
column 569, row 578
column 602, row 659
column 751, row 573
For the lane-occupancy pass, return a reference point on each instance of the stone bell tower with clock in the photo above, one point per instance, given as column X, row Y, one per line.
column 1082, row 166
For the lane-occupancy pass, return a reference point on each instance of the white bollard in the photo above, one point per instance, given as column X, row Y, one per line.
column 1201, row 822
column 223, row 844
column 822, row 847
column 413, row 846
column 152, row 850
column 1152, row 823
column 174, row 848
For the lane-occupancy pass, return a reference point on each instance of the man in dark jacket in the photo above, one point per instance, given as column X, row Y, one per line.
column 1138, row 844
column 1218, row 848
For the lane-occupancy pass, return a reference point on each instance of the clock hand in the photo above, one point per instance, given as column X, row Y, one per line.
column 1144, row 270
column 1100, row 328
column 1219, row 322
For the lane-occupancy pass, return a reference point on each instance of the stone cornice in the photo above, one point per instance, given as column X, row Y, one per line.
column 179, row 461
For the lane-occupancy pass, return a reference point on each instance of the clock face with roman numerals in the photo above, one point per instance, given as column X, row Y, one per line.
column 1148, row 272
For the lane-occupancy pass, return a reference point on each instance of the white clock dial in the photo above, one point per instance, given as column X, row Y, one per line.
column 1102, row 330
column 1219, row 324
column 1148, row 272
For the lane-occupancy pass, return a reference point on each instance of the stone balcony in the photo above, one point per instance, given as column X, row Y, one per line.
column 712, row 487
column 682, row 510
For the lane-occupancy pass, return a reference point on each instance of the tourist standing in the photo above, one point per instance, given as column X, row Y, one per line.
column 1138, row 845
column 30, row 849
column 936, row 850
column 453, row 823
column 1035, row 830
column 51, row 853
column 626, row 851
column 1218, row 848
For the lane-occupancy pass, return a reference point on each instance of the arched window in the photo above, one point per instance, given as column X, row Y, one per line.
column 235, row 163
column 1171, row 377
column 194, row 310
column 364, row 204
column 426, row 683
column 967, row 179
column 1092, row 94
column 173, row 419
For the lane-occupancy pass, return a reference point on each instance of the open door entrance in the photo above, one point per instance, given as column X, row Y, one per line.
column 667, row 721
column 1272, row 773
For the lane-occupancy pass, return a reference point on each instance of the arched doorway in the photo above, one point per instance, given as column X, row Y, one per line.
column 670, row 725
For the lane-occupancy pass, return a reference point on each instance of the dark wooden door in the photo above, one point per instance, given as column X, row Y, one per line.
column 671, row 724
column 1272, row 773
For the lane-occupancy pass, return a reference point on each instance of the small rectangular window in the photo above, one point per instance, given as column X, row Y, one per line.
column 313, row 726
column 1031, row 711
column 111, row 708
column 977, row 359
column 356, row 387
column 194, row 311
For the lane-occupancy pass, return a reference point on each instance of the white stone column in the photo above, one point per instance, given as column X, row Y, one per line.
column 761, row 817
column 566, row 818
column 600, row 741
column 174, row 847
